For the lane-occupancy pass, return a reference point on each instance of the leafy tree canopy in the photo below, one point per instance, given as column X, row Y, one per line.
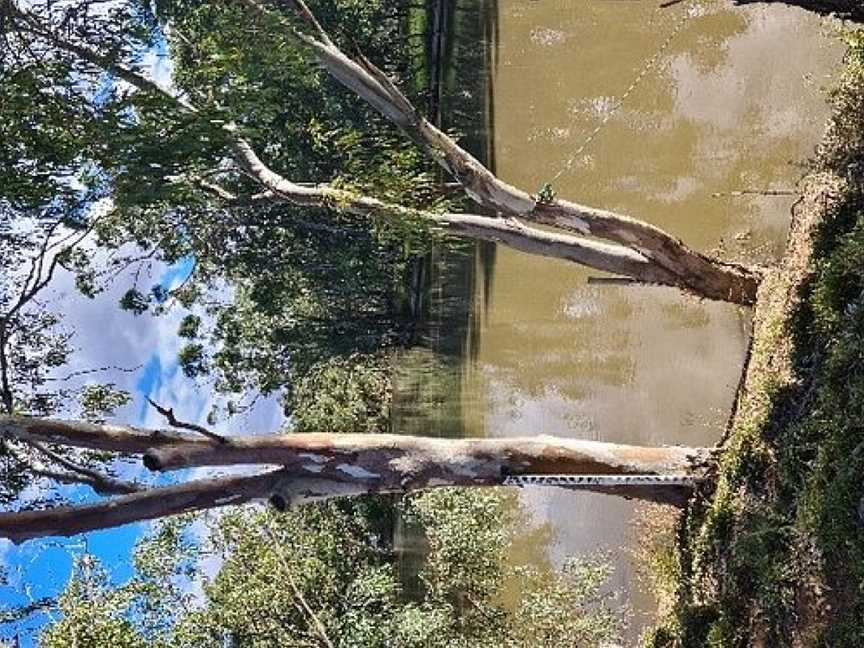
column 329, row 575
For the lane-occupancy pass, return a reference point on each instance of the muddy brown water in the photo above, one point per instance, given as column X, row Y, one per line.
column 736, row 102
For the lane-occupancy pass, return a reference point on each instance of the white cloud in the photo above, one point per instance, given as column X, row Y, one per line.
column 159, row 67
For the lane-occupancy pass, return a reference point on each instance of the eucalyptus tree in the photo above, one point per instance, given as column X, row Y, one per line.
column 296, row 171
column 49, row 209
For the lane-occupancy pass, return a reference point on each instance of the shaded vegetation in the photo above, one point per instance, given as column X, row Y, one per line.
column 843, row 8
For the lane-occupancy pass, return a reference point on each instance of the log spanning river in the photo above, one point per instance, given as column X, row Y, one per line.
column 734, row 102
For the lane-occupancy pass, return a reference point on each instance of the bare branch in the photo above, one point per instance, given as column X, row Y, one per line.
column 15, row 615
column 600, row 256
column 173, row 421
column 302, row 604
column 82, row 434
column 87, row 372
column 282, row 487
column 309, row 18
column 146, row 505
column 102, row 484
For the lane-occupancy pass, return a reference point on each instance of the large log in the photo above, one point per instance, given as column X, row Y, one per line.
column 405, row 462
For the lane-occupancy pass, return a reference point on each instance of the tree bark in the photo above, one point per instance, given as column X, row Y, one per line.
column 694, row 272
column 282, row 488
column 417, row 462
column 615, row 259
column 320, row 466
column 384, row 458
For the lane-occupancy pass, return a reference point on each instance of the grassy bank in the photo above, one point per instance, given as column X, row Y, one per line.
column 773, row 553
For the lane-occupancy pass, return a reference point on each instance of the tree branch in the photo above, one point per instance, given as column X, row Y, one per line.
column 150, row 504
column 173, row 421
column 695, row 272
column 82, row 434
column 616, row 259
column 102, row 484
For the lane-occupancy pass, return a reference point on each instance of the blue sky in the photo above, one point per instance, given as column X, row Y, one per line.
column 106, row 336
column 40, row 569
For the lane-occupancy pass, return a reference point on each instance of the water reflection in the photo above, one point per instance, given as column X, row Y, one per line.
column 736, row 102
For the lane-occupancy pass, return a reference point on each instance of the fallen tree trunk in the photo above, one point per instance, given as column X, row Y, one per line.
column 418, row 462
column 389, row 458
column 320, row 466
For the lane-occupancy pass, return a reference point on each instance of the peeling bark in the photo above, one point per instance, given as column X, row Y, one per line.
column 616, row 259
column 416, row 462
column 390, row 457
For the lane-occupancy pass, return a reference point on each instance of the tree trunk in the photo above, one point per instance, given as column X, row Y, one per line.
column 319, row 466
column 417, row 462
column 694, row 272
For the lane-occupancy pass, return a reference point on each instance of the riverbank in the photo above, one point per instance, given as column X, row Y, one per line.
column 773, row 554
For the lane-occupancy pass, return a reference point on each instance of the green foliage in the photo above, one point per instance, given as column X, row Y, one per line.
column 546, row 194
column 343, row 395
column 552, row 611
column 307, row 286
column 93, row 613
column 135, row 302
column 192, row 360
column 468, row 534
column 332, row 570
column 99, row 401
column 189, row 327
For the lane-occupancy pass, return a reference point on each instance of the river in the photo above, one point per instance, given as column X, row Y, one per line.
column 735, row 102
